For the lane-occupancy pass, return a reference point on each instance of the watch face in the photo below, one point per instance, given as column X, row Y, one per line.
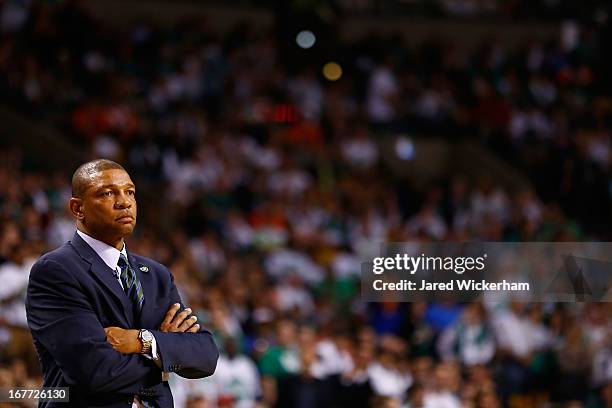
column 147, row 336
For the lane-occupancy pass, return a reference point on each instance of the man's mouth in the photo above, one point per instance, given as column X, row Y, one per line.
column 125, row 218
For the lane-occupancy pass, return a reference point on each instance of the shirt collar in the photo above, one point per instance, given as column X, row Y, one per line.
column 110, row 255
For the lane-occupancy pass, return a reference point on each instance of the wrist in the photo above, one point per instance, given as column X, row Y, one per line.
column 136, row 344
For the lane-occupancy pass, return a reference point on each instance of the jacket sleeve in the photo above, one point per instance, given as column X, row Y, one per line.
column 62, row 319
column 190, row 355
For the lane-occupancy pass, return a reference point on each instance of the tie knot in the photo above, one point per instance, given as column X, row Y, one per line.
column 123, row 262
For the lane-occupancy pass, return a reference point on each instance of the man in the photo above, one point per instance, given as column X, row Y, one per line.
column 104, row 321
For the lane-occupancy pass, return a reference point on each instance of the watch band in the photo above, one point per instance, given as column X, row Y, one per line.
column 146, row 347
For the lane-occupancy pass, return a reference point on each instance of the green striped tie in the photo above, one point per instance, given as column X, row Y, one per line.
column 131, row 284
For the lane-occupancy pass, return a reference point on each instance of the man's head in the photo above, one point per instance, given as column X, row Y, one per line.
column 104, row 201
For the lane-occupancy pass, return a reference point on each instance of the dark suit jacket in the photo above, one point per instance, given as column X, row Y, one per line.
column 72, row 295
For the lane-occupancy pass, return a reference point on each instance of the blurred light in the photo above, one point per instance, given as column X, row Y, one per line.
column 404, row 148
column 570, row 35
column 305, row 39
column 283, row 113
column 332, row 71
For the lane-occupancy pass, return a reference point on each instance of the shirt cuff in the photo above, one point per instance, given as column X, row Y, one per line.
column 152, row 355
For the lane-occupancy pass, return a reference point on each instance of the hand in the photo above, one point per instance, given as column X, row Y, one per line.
column 178, row 323
column 123, row 340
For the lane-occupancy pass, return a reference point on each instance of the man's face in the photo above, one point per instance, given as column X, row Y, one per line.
column 109, row 205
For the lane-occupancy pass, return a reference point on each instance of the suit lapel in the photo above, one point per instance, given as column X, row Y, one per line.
column 104, row 274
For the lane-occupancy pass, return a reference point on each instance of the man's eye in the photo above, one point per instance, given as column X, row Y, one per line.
column 130, row 192
column 107, row 193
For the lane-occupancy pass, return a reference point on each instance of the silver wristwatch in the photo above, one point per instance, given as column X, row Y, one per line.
column 146, row 338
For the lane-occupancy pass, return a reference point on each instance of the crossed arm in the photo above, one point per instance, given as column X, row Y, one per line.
column 64, row 323
column 126, row 341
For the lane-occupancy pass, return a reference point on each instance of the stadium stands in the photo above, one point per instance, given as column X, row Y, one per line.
column 263, row 183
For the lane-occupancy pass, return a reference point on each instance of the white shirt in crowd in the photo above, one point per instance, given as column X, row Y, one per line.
column 14, row 280
column 235, row 377
column 382, row 87
column 388, row 382
column 441, row 399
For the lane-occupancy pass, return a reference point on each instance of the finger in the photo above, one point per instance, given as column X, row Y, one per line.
column 194, row 329
column 187, row 323
column 171, row 312
column 170, row 315
column 178, row 319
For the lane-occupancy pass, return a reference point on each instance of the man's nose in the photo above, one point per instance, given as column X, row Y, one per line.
column 123, row 201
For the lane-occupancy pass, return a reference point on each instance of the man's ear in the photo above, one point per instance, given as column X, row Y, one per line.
column 76, row 207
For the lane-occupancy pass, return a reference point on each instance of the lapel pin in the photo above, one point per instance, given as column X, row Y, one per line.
column 144, row 268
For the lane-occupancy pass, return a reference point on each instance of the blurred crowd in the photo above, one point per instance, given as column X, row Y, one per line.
column 262, row 186
column 186, row 104
column 498, row 10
